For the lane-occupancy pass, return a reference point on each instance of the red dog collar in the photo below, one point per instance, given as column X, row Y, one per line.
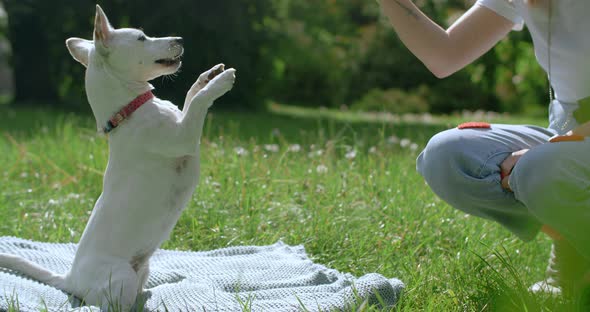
column 126, row 111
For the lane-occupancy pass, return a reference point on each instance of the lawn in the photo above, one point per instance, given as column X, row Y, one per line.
column 342, row 184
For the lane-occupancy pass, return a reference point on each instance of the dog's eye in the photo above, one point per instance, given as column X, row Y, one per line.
column 142, row 38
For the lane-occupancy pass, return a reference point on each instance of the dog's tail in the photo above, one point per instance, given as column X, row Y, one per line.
column 32, row 270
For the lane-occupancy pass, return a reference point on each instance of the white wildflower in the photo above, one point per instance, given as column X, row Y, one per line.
column 405, row 143
column 319, row 188
column 295, row 148
column 393, row 139
column 350, row 155
column 317, row 153
column 273, row 148
column 241, row 151
column 321, row 169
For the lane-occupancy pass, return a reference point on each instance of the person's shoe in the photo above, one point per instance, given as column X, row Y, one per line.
column 566, row 273
column 550, row 284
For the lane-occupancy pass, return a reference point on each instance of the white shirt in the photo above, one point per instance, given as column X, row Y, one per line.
column 570, row 41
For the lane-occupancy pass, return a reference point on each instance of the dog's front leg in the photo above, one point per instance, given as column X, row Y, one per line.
column 201, row 82
column 191, row 125
column 181, row 137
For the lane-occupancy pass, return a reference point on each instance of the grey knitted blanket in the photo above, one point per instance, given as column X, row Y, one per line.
column 245, row 278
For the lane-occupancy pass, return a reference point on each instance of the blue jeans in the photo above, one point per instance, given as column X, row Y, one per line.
column 550, row 183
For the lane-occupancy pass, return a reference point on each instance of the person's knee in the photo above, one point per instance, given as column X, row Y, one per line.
column 434, row 160
column 448, row 162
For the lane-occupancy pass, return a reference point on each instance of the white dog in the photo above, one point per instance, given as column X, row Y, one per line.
column 153, row 165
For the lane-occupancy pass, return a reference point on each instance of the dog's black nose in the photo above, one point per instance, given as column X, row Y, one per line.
column 179, row 41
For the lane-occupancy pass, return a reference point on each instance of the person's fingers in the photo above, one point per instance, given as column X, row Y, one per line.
column 507, row 165
column 505, row 184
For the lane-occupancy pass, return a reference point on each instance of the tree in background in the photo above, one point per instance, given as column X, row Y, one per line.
column 215, row 31
column 335, row 53
column 5, row 72
column 31, row 51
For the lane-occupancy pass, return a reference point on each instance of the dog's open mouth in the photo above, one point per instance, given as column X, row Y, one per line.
column 170, row 61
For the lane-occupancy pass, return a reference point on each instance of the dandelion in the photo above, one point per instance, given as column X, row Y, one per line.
column 393, row 139
column 295, row 148
column 273, row 148
column 73, row 196
column 321, row 169
column 373, row 150
column 241, row 151
column 350, row 155
column 317, row 153
column 319, row 189
column 413, row 146
column 405, row 143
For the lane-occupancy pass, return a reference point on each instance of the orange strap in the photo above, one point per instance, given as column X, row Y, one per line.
column 567, row 138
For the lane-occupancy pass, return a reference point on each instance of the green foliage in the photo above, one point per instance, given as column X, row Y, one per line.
column 309, row 52
column 394, row 101
column 337, row 58
column 314, row 52
column 3, row 22
column 519, row 80
column 214, row 31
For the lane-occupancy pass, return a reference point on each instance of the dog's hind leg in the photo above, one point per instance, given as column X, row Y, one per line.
column 117, row 292
column 143, row 273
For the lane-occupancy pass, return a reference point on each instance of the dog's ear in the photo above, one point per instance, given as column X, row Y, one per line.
column 80, row 49
column 102, row 29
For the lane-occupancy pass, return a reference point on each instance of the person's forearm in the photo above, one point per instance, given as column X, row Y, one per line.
column 446, row 51
column 424, row 38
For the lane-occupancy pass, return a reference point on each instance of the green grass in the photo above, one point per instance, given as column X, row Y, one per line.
column 341, row 185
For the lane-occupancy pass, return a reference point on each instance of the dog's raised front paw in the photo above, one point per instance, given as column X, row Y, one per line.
column 207, row 76
column 215, row 71
column 222, row 83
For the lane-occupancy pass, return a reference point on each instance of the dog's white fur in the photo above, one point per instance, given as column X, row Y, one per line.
column 153, row 165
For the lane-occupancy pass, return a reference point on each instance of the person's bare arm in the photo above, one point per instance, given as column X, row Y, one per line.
column 446, row 51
